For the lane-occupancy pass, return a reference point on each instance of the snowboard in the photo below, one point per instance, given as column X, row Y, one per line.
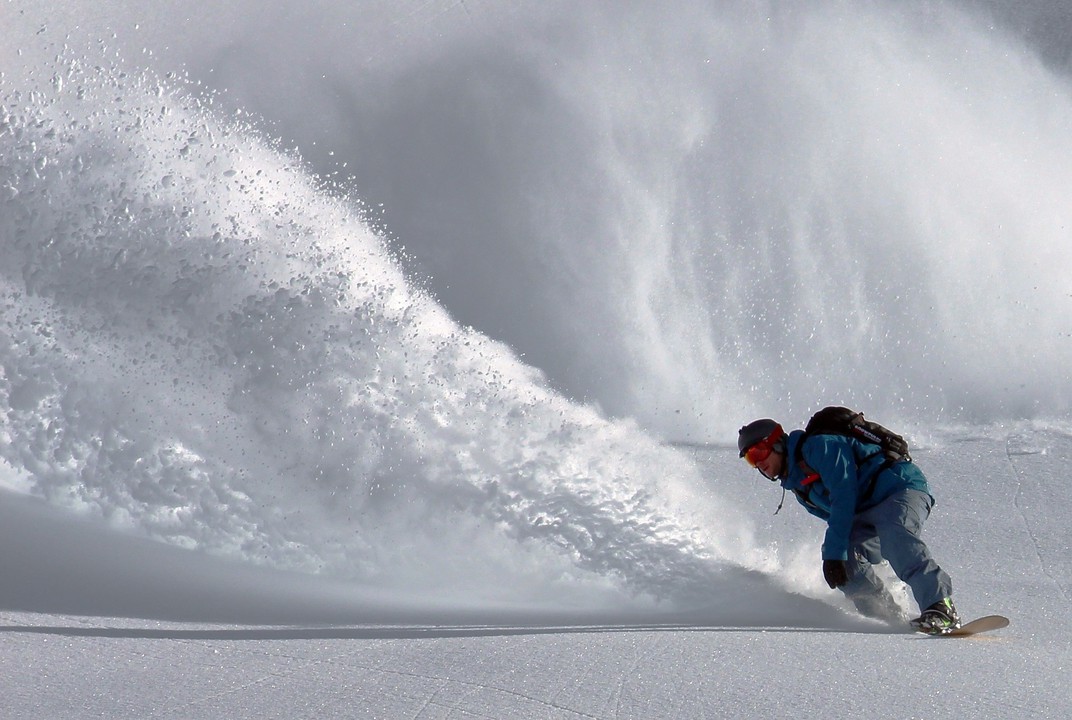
column 979, row 625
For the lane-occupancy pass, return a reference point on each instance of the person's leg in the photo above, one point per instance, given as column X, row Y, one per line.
column 898, row 523
column 866, row 591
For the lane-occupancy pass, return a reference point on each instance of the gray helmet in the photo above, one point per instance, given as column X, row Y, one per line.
column 758, row 431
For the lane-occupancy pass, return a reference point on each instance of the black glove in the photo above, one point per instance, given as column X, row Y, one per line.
column 835, row 572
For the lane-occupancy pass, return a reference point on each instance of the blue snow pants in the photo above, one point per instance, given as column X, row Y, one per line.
column 891, row 531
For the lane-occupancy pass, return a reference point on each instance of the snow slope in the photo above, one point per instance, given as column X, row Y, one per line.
column 999, row 528
column 384, row 358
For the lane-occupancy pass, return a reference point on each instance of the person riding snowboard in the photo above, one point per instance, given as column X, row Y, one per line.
column 874, row 510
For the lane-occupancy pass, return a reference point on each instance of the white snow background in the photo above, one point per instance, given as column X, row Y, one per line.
column 385, row 359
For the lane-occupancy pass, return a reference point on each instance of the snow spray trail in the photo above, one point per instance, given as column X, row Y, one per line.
column 716, row 210
column 202, row 345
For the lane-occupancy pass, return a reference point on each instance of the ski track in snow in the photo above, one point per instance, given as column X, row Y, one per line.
column 1018, row 477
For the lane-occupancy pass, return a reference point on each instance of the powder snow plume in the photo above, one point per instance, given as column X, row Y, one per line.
column 204, row 345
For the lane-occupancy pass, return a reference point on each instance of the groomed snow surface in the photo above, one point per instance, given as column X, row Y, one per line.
column 999, row 528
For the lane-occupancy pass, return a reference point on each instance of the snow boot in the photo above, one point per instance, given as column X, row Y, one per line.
column 939, row 619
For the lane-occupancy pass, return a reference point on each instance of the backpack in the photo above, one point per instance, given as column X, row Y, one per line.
column 836, row 420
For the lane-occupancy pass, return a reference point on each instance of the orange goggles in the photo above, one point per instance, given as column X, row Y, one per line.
column 758, row 452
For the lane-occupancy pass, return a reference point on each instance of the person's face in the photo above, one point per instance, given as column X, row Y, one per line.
column 766, row 459
column 772, row 465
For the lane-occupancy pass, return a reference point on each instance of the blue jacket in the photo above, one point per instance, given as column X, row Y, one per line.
column 846, row 468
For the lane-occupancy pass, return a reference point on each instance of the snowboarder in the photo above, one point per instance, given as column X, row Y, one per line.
column 874, row 511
